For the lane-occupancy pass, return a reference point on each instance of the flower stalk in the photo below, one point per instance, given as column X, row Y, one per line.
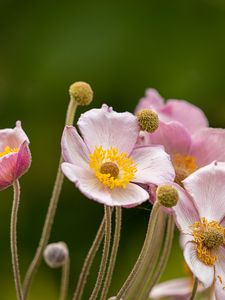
column 195, row 287
column 65, row 278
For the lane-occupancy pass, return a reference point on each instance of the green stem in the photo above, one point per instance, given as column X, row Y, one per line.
column 105, row 255
column 88, row 262
column 195, row 287
column 151, row 226
column 116, row 241
column 13, row 240
column 150, row 282
column 65, row 278
column 46, row 231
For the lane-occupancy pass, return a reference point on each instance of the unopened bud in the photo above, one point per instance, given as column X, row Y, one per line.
column 148, row 120
column 55, row 254
column 167, row 195
column 81, row 92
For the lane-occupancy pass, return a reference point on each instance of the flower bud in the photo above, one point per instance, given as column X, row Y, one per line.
column 167, row 195
column 81, row 92
column 55, row 254
column 148, row 120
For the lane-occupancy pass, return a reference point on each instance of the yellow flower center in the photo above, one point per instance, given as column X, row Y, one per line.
column 8, row 150
column 208, row 236
column 112, row 168
column 184, row 165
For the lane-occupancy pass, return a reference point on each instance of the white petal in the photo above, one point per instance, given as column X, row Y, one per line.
column 74, row 149
column 107, row 128
column 220, row 274
column 204, row 273
column 153, row 165
column 207, row 188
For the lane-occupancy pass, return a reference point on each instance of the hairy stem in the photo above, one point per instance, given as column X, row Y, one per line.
column 65, row 278
column 195, row 287
column 13, row 240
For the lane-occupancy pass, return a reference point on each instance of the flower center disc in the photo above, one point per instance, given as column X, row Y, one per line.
column 110, row 168
column 8, row 150
column 213, row 238
column 184, row 165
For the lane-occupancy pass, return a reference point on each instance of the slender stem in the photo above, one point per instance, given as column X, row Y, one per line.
column 115, row 246
column 46, row 231
column 65, row 279
column 106, row 248
column 194, row 291
column 151, row 226
column 88, row 262
column 13, row 239
column 150, row 282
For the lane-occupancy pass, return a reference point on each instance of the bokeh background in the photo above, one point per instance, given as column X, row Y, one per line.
column 120, row 48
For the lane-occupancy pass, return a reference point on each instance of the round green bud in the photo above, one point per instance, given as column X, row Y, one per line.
column 167, row 195
column 148, row 120
column 81, row 92
column 55, row 254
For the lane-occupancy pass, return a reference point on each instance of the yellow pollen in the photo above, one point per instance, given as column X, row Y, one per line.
column 112, row 168
column 8, row 150
column 208, row 236
column 184, row 165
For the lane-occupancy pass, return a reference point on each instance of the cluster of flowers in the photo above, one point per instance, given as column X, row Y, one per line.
column 164, row 153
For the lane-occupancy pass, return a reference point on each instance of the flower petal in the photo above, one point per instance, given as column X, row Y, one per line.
column 89, row 185
column 107, row 128
column 203, row 272
column 153, row 165
column 74, row 150
column 186, row 113
column 23, row 160
column 220, row 274
column 185, row 212
column 207, row 188
column 173, row 136
column 208, row 145
column 7, row 169
column 152, row 100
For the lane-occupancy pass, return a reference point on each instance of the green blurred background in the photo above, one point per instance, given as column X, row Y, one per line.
column 120, row 48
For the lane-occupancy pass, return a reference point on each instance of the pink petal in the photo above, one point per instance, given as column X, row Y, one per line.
column 208, row 145
column 173, row 136
column 184, row 239
column 186, row 113
column 89, row 185
column 107, row 128
column 153, row 165
column 203, row 272
column 220, row 271
column 185, row 212
column 74, row 150
column 23, row 160
column 152, row 100
column 177, row 288
column 207, row 188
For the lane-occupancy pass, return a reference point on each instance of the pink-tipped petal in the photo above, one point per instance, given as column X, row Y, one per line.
column 74, row 150
column 220, row 274
column 7, row 170
column 185, row 211
column 208, row 145
column 153, row 165
column 23, row 160
column 89, row 185
column 107, row 128
column 152, row 100
column 203, row 272
column 186, row 113
column 207, row 188
column 173, row 136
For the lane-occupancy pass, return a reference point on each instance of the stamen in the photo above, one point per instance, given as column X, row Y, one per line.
column 184, row 165
column 8, row 150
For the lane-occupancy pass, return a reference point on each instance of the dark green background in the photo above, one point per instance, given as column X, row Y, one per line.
column 120, row 48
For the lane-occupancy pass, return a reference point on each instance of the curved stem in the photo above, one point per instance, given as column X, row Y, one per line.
column 150, row 282
column 116, row 241
column 195, row 287
column 65, row 278
column 88, row 262
column 13, row 240
column 46, row 231
column 151, row 226
column 105, row 254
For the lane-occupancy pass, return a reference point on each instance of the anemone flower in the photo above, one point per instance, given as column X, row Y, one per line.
column 15, row 155
column 181, row 111
column 104, row 163
column 200, row 216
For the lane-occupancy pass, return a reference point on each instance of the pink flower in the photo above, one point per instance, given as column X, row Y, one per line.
column 188, row 152
column 200, row 216
column 181, row 111
column 105, row 165
column 15, row 157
